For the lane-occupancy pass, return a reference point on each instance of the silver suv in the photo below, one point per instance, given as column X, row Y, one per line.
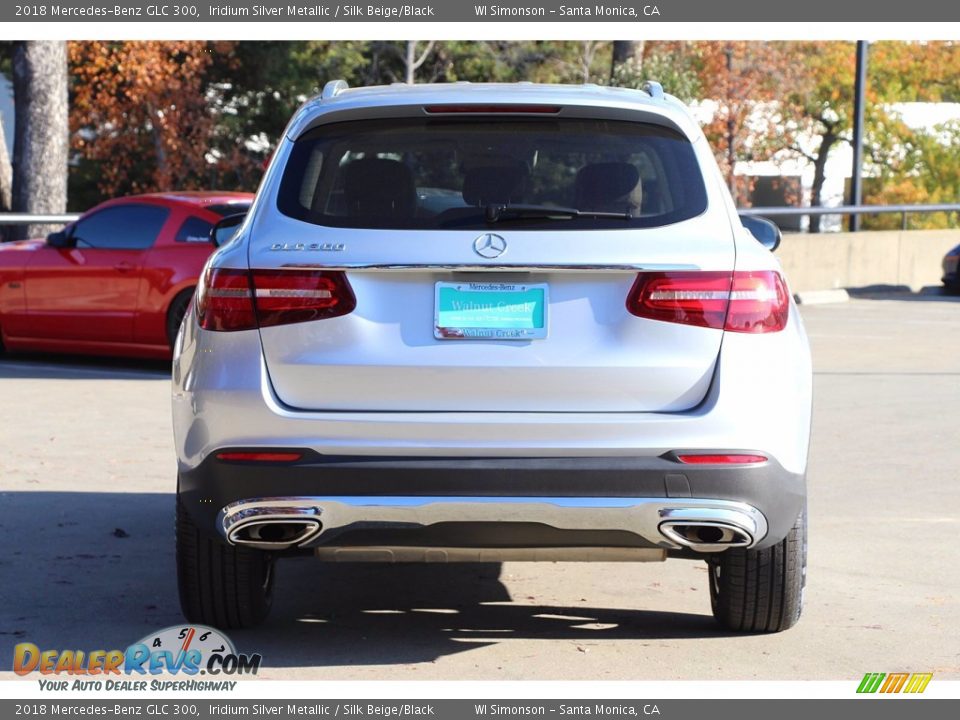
column 489, row 323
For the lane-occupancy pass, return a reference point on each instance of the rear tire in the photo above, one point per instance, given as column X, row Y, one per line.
column 176, row 313
column 221, row 585
column 761, row 591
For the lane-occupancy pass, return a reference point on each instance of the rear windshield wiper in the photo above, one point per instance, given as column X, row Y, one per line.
column 495, row 213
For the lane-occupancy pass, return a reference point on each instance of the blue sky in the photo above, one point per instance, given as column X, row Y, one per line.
column 6, row 110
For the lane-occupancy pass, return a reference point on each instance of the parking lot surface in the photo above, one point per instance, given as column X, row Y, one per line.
column 87, row 476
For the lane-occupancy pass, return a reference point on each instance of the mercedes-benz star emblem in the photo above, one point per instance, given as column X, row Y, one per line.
column 490, row 246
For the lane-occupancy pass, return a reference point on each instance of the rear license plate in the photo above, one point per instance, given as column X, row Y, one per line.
column 490, row 311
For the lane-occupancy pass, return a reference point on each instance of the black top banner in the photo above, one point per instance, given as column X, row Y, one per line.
column 561, row 11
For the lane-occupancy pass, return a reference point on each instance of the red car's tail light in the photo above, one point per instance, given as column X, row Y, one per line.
column 292, row 296
column 724, row 459
column 242, row 300
column 750, row 302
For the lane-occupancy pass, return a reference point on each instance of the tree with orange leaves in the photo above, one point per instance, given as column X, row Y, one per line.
column 141, row 112
column 745, row 81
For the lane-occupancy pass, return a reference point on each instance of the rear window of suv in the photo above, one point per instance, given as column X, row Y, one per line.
column 428, row 173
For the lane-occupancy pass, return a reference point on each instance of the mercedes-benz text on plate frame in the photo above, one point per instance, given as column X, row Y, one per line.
column 490, row 246
column 632, row 381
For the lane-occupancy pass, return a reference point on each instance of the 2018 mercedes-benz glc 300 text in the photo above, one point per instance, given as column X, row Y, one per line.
column 490, row 323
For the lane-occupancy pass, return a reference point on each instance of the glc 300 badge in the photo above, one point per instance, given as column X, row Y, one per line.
column 317, row 247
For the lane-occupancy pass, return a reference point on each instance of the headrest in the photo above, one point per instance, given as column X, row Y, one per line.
column 379, row 187
column 501, row 184
column 608, row 185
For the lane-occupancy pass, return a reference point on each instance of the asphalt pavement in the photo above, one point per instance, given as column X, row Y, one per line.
column 87, row 476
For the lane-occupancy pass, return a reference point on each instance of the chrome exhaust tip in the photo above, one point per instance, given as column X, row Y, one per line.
column 706, row 536
column 711, row 529
column 269, row 525
column 274, row 534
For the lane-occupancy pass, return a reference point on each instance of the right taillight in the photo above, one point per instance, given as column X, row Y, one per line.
column 759, row 302
column 741, row 301
column 243, row 300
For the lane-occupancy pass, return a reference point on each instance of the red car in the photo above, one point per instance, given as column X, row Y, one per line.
column 115, row 282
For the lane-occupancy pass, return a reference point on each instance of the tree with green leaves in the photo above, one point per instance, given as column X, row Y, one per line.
column 677, row 65
column 818, row 105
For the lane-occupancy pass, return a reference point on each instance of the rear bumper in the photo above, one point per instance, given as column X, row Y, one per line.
column 760, row 398
column 495, row 502
column 518, row 465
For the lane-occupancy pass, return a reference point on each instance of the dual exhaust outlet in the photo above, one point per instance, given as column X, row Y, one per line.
column 706, row 536
column 700, row 525
column 275, row 533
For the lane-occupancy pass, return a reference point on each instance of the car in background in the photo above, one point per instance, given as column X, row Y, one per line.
column 117, row 281
column 951, row 271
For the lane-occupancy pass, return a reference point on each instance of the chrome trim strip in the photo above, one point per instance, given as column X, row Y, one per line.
column 640, row 516
column 417, row 554
column 499, row 267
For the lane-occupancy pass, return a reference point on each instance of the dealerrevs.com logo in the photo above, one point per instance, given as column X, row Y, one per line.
column 189, row 650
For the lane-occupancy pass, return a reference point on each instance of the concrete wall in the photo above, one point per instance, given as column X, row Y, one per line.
column 851, row 260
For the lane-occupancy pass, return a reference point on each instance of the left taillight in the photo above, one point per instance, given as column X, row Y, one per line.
column 243, row 300
column 282, row 297
column 225, row 300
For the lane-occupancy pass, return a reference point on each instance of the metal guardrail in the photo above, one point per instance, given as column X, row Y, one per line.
column 783, row 211
column 905, row 210
column 36, row 218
